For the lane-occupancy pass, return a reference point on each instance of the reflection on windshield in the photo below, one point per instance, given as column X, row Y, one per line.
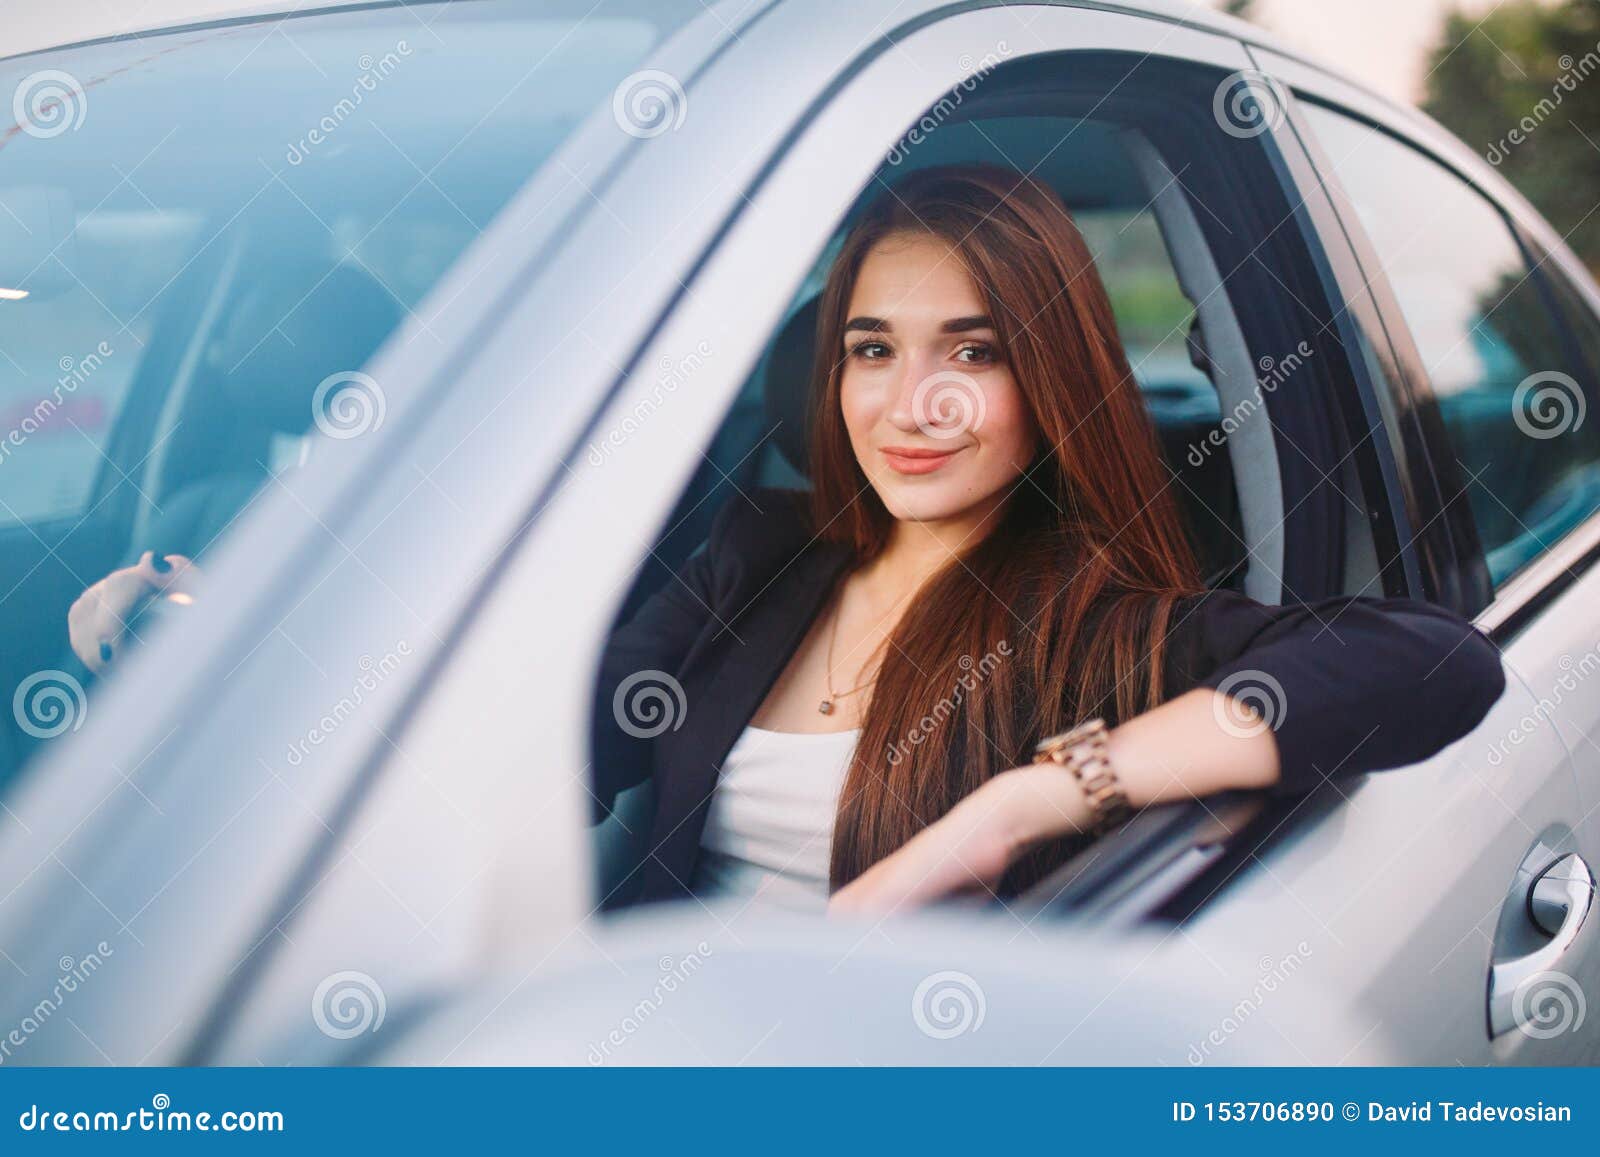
column 204, row 236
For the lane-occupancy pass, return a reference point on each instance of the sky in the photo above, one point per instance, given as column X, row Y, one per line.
column 1381, row 42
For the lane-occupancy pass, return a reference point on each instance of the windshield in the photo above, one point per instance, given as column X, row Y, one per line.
column 205, row 234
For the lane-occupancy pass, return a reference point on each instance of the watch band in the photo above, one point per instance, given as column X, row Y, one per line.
column 1083, row 752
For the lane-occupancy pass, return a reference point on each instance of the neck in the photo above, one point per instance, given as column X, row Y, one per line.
column 916, row 550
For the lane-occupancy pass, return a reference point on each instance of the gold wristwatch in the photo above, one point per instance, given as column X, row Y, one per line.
column 1082, row 751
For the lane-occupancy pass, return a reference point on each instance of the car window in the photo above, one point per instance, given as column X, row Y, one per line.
column 204, row 235
column 65, row 370
column 1510, row 386
column 1090, row 164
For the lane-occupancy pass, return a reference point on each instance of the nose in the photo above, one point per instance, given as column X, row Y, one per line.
column 936, row 401
column 909, row 411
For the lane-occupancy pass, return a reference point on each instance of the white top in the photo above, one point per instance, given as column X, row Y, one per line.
column 769, row 830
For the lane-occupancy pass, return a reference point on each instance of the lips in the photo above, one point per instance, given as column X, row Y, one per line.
column 916, row 459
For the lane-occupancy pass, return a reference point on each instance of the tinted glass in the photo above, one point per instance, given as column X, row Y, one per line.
column 1512, row 389
column 204, row 235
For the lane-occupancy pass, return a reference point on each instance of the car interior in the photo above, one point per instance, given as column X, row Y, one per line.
column 1177, row 320
column 231, row 414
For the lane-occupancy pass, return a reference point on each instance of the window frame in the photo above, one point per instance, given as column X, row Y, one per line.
column 1456, row 558
column 1313, row 407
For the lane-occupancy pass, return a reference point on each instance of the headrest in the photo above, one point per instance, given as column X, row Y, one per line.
column 290, row 330
column 786, row 385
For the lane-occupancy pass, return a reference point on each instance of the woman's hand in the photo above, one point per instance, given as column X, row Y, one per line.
column 97, row 623
column 1191, row 746
column 969, row 849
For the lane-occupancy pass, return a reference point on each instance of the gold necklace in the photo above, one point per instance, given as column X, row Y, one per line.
column 826, row 706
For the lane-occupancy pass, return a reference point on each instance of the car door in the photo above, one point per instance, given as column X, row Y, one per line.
column 1427, row 882
column 168, row 831
column 706, row 983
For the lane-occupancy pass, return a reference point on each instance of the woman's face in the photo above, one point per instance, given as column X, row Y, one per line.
column 935, row 417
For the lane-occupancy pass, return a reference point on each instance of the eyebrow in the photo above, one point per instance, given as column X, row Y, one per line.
column 954, row 325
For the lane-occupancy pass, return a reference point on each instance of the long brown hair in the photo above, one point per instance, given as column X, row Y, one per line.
column 1059, row 613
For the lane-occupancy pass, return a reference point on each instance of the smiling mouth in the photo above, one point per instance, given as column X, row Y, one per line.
column 914, row 460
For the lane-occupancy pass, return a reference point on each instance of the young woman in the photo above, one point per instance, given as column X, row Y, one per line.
column 844, row 693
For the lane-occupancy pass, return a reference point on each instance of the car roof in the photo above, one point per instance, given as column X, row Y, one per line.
column 81, row 16
column 89, row 24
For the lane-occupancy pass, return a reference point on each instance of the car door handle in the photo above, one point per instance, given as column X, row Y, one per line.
column 1560, row 903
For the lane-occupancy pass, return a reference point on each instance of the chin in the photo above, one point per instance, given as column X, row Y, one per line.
column 908, row 502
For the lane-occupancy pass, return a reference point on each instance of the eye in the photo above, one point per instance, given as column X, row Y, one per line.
column 976, row 354
column 870, row 351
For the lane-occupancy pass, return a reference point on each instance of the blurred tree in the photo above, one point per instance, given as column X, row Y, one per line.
column 1522, row 87
column 1243, row 9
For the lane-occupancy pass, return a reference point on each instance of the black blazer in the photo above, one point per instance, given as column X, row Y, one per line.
column 1366, row 683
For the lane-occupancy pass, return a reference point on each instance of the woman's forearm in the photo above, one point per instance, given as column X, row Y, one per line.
column 1191, row 746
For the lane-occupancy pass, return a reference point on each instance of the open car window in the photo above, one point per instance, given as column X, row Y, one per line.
column 1205, row 391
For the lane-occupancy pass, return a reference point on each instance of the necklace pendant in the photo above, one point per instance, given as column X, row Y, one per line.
column 825, row 707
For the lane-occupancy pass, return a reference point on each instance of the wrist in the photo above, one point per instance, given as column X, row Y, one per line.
column 1040, row 802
